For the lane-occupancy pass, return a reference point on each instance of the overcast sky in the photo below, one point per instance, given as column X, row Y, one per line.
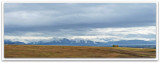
column 91, row 21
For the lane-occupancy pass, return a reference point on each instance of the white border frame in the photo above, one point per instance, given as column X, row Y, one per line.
column 157, row 30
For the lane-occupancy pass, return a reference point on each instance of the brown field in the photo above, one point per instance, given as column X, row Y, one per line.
column 45, row 51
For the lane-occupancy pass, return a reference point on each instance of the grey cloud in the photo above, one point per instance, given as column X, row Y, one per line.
column 54, row 17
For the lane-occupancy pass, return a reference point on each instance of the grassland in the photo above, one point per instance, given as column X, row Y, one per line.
column 44, row 51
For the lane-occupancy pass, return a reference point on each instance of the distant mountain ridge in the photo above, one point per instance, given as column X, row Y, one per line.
column 68, row 42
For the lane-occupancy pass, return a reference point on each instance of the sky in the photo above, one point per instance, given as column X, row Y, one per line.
column 99, row 22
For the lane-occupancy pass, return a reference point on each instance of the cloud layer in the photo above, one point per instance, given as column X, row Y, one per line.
column 121, row 20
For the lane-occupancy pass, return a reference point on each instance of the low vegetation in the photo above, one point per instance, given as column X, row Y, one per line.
column 50, row 51
column 114, row 45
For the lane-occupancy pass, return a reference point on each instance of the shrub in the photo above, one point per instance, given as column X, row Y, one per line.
column 114, row 45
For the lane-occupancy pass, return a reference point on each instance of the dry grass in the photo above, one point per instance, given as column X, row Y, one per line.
column 45, row 51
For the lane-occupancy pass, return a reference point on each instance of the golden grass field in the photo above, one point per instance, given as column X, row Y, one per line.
column 52, row 51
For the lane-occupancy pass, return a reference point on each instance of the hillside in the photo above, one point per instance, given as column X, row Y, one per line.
column 45, row 51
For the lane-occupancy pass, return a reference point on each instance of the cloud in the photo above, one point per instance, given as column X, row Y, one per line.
column 89, row 21
column 77, row 16
column 96, row 35
column 27, row 39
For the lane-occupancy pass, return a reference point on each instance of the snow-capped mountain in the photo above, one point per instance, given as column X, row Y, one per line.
column 81, row 42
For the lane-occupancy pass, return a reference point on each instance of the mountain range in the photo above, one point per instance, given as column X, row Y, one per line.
column 68, row 42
